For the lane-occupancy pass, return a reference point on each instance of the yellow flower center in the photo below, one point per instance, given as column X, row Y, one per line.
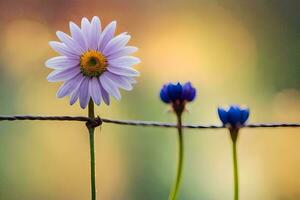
column 93, row 63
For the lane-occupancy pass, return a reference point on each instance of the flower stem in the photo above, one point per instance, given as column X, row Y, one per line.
column 235, row 171
column 175, row 191
column 92, row 150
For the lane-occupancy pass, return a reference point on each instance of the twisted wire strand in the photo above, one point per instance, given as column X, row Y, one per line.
column 98, row 121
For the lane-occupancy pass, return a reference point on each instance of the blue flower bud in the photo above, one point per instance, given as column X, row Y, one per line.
column 164, row 94
column 188, row 93
column 234, row 116
column 177, row 93
column 245, row 115
column 174, row 91
column 223, row 115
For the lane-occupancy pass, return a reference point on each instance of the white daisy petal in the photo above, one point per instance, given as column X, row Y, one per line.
column 110, row 86
column 116, row 44
column 69, row 86
column 84, row 96
column 67, row 40
column 123, row 71
column 74, row 96
column 86, row 30
column 125, row 51
column 61, row 62
column 106, row 35
column 130, row 79
column 62, row 49
column 95, row 33
column 95, row 90
column 105, row 95
column 125, row 61
column 63, row 75
column 77, row 36
column 120, row 81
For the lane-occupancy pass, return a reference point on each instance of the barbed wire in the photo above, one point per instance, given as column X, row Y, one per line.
column 98, row 121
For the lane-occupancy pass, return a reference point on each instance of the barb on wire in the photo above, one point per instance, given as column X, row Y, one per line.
column 98, row 121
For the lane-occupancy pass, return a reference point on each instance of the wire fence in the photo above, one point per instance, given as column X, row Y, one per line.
column 98, row 122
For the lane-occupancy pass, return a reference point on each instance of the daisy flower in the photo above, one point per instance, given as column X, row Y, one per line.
column 93, row 63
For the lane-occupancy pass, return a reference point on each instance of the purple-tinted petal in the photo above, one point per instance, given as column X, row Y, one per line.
column 191, row 96
column 130, row 79
column 84, row 96
column 106, row 35
column 110, row 86
column 78, row 36
column 120, row 81
column 69, row 86
column 95, row 90
column 62, row 49
column 116, row 44
column 67, row 40
column 125, row 51
column 124, row 71
column 223, row 115
column 86, row 30
column 63, row 75
column 189, row 93
column 125, row 61
column 61, row 62
column 244, row 115
column 186, row 87
column 75, row 95
column 186, row 90
column 95, row 33
column 105, row 95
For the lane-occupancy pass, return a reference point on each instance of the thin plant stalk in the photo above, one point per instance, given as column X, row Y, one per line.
column 235, row 172
column 234, row 137
column 175, row 191
column 91, row 114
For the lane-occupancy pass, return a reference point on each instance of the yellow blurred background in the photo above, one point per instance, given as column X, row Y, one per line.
column 243, row 52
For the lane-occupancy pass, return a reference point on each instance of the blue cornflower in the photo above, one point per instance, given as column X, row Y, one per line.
column 177, row 93
column 234, row 116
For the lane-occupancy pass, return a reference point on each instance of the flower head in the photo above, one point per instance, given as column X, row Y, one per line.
column 171, row 93
column 177, row 95
column 233, row 116
column 93, row 64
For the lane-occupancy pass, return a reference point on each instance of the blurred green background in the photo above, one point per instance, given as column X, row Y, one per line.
column 244, row 52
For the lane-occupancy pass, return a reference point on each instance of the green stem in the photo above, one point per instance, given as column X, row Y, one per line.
column 235, row 171
column 175, row 191
column 92, row 150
